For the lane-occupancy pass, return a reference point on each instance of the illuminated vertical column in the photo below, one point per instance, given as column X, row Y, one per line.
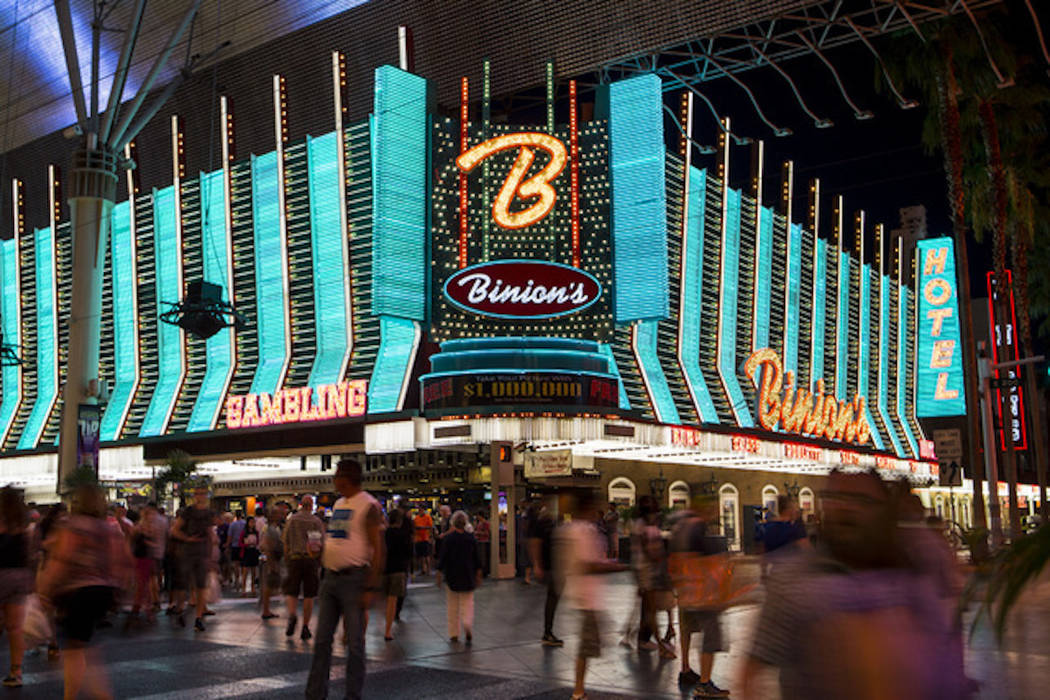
column 46, row 337
column 280, row 109
column 760, row 314
column 486, row 122
column 339, row 103
column 11, row 312
column 574, row 173
column 464, row 211
column 883, row 360
column 816, row 340
column 842, row 310
column 864, row 294
column 549, row 80
column 905, row 389
column 787, row 197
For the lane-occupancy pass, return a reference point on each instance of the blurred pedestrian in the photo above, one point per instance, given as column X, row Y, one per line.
column 271, row 555
column 483, row 533
column 84, row 564
column 193, row 529
column 303, row 541
column 16, row 578
column 612, row 528
column 233, row 537
column 398, row 561
column 541, row 542
column 249, row 555
column 408, row 532
column 353, row 561
column 461, row 568
column 783, row 534
column 144, row 549
column 647, row 557
column 424, row 526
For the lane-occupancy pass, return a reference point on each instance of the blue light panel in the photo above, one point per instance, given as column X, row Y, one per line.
column 864, row 361
column 792, row 311
column 842, row 352
column 47, row 340
column 727, row 320
column 820, row 273
column 764, row 280
column 11, row 386
column 639, row 199
column 882, row 402
column 939, row 384
column 394, row 359
column 216, row 241
column 902, row 367
column 272, row 306
column 331, row 280
column 653, row 373
column 125, row 323
column 400, row 195
column 692, row 298
column 169, row 337
column 606, row 349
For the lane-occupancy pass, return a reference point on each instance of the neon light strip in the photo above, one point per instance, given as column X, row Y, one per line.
column 11, row 322
column 574, row 172
column 464, row 212
column 883, row 368
column 864, row 353
column 227, row 200
column 399, row 340
column 902, row 363
column 1011, row 332
column 759, row 316
column 692, row 296
column 727, row 317
column 269, row 250
column 788, row 195
column 125, row 317
column 281, row 133
column 643, row 344
column 486, row 121
column 606, row 349
column 793, row 298
column 763, row 278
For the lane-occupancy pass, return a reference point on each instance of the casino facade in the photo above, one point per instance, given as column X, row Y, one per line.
column 475, row 306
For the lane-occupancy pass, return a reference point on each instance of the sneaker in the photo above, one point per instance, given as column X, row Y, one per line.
column 198, row 624
column 689, row 677
column 290, row 630
column 709, row 690
column 305, row 634
column 13, row 680
column 549, row 640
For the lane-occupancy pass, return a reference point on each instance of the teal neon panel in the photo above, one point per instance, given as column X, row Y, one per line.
column 884, row 371
column 692, row 298
column 216, row 241
column 792, row 310
column 272, row 306
column 820, row 273
column 902, row 367
column 655, row 379
column 606, row 349
column 47, row 341
column 727, row 320
column 764, row 279
column 399, row 195
column 331, row 281
column 864, row 361
column 125, row 324
column 639, row 200
column 169, row 337
column 842, row 341
column 939, row 387
column 11, row 385
column 393, row 363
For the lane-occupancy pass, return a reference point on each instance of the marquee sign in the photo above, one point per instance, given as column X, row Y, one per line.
column 303, row 405
column 797, row 410
column 522, row 289
column 520, row 390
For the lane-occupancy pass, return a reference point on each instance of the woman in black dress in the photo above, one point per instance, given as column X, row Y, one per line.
column 249, row 553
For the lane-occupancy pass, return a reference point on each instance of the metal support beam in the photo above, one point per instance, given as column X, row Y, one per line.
column 69, row 46
column 120, row 76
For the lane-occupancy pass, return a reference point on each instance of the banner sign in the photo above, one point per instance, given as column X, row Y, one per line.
column 520, row 390
column 302, row 405
column 548, row 463
column 89, row 416
column 939, row 384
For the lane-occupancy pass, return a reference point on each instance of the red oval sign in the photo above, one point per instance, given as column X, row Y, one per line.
column 522, row 289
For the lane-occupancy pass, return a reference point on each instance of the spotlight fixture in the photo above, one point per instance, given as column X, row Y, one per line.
column 203, row 313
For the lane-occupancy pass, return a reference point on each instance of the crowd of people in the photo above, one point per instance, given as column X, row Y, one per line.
column 867, row 595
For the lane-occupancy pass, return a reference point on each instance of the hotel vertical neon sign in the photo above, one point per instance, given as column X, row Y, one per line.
column 939, row 389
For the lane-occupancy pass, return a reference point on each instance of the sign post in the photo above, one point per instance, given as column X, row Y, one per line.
column 88, row 418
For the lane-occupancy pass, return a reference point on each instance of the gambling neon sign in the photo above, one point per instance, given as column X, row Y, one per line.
column 797, row 410
column 302, row 405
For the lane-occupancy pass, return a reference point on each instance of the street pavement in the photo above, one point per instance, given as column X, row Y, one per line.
column 242, row 656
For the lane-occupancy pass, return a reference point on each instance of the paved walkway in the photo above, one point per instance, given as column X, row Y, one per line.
column 241, row 656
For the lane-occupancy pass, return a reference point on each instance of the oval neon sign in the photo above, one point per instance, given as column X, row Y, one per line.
column 522, row 289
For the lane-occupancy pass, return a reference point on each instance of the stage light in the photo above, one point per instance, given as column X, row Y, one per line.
column 203, row 313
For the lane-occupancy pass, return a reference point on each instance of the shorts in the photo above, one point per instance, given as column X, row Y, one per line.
column 80, row 610
column 271, row 572
column 707, row 623
column 395, row 584
column 422, row 549
column 235, row 553
column 590, row 636
column 15, row 585
column 195, row 571
column 302, row 574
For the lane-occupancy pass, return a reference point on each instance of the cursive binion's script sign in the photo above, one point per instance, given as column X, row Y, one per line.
column 515, row 186
column 301, row 405
column 801, row 411
column 522, row 289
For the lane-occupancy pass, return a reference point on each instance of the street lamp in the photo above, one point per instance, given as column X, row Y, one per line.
column 710, row 486
column 658, row 484
column 792, row 489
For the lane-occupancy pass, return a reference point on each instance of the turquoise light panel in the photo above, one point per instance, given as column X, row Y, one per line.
column 11, row 386
column 692, row 298
column 47, row 342
column 727, row 317
column 655, row 379
column 270, row 258
column 125, row 324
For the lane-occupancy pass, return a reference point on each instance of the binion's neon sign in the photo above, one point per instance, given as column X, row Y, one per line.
column 801, row 411
column 302, row 405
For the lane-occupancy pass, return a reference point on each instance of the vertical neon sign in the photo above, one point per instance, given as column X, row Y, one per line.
column 1004, row 336
column 939, row 389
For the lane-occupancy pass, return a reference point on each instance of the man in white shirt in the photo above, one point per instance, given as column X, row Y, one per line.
column 353, row 562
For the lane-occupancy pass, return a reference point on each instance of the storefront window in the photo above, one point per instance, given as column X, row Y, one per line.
column 678, row 496
column 769, row 498
column 729, row 505
column 621, row 491
column 806, row 503
column 938, row 507
column 964, row 512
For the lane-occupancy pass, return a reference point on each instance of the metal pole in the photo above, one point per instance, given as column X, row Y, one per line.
column 991, row 468
column 69, row 45
column 120, row 77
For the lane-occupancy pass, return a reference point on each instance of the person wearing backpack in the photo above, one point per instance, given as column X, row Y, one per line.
column 303, row 540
